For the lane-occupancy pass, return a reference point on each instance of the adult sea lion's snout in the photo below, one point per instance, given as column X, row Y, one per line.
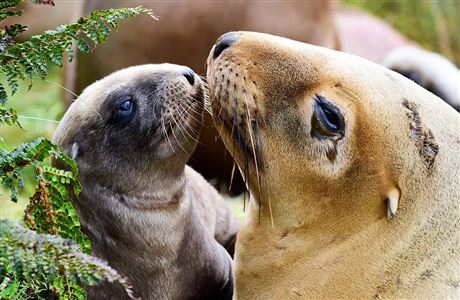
column 223, row 42
column 244, row 71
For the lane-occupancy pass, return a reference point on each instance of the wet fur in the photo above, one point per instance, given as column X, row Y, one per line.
column 153, row 218
column 318, row 228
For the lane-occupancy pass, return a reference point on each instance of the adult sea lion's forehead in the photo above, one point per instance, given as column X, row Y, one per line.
column 318, row 67
column 260, row 47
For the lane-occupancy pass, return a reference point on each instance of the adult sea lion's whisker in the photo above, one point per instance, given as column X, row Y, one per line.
column 231, row 176
column 258, row 142
column 235, row 119
column 249, row 129
column 224, row 106
column 217, row 97
column 261, row 157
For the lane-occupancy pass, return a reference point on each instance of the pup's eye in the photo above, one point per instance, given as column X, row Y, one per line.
column 126, row 108
column 327, row 121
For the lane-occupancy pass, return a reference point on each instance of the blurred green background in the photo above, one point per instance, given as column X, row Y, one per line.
column 433, row 24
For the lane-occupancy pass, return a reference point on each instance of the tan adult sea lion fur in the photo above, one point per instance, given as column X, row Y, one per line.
column 356, row 190
column 153, row 218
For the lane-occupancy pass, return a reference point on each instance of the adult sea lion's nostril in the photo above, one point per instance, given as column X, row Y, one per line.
column 224, row 42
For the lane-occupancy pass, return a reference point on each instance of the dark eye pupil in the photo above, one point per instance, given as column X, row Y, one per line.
column 126, row 106
column 327, row 120
column 332, row 118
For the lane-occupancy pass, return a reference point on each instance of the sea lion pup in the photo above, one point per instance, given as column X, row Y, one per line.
column 153, row 219
column 353, row 171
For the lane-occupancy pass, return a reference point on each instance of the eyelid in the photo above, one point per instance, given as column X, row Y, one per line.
column 321, row 111
column 125, row 98
column 321, row 123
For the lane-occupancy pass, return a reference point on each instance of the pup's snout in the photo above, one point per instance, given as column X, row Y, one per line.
column 189, row 75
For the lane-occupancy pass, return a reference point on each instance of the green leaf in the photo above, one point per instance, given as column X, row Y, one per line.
column 3, row 95
column 37, row 263
column 29, row 59
column 82, row 45
column 9, row 3
column 8, row 13
column 10, row 289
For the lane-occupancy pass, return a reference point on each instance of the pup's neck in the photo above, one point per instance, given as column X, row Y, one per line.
column 143, row 237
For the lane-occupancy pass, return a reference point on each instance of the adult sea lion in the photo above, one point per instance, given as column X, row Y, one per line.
column 153, row 218
column 353, row 171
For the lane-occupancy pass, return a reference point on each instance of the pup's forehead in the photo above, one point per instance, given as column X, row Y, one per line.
column 143, row 71
column 94, row 95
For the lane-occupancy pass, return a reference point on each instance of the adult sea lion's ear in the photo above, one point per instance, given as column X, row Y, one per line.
column 392, row 199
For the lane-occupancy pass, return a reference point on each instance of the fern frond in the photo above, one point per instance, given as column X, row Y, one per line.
column 8, row 116
column 42, row 265
column 49, row 209
column 34, row 265
column 29, row 59
column 9, row 3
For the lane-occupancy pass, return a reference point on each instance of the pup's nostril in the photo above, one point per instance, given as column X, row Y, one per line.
column 224, row 42
column 190, row 76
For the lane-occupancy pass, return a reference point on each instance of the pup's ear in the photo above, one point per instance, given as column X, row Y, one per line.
column 74, row 151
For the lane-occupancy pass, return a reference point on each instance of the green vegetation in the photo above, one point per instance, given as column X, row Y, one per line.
column 433, row 24
column 47, row 266
column 35, row 264
column 36, row 108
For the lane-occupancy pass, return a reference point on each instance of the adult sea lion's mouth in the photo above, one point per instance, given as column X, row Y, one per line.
column 235, row 112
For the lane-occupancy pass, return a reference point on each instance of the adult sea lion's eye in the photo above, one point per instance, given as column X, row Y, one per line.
column 327, row 121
